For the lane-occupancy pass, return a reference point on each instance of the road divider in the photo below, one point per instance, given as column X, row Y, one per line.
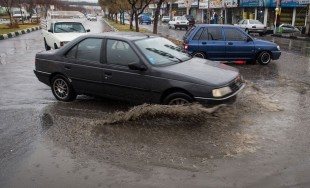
column 17, row 33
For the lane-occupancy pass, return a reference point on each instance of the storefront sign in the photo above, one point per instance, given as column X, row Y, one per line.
column 184, row 3
column 286, row 3
column 203, row 4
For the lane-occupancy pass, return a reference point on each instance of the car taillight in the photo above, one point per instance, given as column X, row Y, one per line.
column 186, row 46
column 177, row 23
column 254, row 26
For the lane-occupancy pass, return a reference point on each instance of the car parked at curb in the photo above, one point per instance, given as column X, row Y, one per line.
column 135, row 67
column 228, row 43
column 178, row 22
column 190, row 18
column 288, row 28
column 145, row 19
column 252, row 26
column 165, row 19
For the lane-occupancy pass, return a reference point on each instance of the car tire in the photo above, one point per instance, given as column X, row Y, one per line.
column 55, row 46
column 47, row 47
column 199, row 55
column 264, row 58
column 62, row 89
column 178, row 98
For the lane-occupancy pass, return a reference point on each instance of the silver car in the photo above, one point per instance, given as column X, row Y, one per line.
column 252, row 26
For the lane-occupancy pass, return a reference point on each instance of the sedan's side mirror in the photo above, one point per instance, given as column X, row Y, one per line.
column 50, row 30
column 87, row 30
column 137, row 66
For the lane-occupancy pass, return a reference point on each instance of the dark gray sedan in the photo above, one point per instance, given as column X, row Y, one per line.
column 135, row 67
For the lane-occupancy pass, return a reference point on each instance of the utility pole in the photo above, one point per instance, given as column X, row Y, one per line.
column 188, row 4
column 277, row 13
column 170, row 10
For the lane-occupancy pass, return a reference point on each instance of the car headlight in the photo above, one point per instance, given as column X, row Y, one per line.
column 221, row 91
column 278, row 47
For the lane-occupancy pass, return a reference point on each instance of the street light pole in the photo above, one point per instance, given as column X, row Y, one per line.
column 277, row 10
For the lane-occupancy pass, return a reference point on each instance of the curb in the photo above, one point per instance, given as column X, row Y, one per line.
column 17, row 33
column 114, row 29
column 291, row 37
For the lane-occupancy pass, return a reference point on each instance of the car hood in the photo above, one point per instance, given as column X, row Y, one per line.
column 67, row 36
column 202, row 71
column 264, row 42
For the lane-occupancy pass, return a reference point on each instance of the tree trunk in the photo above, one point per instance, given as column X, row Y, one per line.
column 137, row 23
column 156, row 16
column 131, row 20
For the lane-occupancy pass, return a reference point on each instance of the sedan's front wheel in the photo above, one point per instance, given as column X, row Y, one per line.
column 264, row 58
column 178, row 98
column 62, row 89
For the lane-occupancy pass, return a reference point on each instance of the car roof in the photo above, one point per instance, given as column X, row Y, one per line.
column 123, row 35
column 215, row 25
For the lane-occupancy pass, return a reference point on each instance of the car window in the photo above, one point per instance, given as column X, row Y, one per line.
column 255, row 22
column 245, row 22
column 233, row 34
column 89, row 49
column 63, row 27
column 120, row 53
column 188, row 32
column 212, row 33
column 197, row 35
column 241, row 22
column 72, row 52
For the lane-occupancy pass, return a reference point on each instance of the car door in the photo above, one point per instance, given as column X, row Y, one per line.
column 83, row 66
column 238, row 44
column 212, row 43
column 119, row 80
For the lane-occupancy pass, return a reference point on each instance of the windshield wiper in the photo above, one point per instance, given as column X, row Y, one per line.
column 175, row 48
column 165, row 54
column 74, row 29
column 62, row 29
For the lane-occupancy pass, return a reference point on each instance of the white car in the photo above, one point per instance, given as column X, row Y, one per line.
column 252, row 26
column 92, row 17
column 178, row 22
column 165, row 19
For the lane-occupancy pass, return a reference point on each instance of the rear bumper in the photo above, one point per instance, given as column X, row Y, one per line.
column 257, row 30
column 43, row 76
column 276, row 55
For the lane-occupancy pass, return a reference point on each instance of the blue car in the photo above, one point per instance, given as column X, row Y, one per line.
column 145, row 19
column 228, row 43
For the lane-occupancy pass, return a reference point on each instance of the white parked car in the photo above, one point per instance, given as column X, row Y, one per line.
column 178, row 22
column 165, row 19
column 252, row 26
column 92, row 17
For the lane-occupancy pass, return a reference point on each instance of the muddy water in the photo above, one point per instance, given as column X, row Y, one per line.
column 182, row 137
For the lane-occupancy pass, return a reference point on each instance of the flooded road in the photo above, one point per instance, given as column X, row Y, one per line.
column 262, row 140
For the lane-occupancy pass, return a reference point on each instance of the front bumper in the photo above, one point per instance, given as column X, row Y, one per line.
column 226, row 99
column 276, row 55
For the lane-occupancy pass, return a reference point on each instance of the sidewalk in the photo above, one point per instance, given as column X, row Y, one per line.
column 20, row 32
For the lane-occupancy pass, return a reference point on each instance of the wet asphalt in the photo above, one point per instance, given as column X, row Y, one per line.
column 260, row 141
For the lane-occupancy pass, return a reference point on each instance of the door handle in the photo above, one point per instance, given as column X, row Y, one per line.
column 107, row 75
column 230, row 43
column 204, row 43
column 67, row 67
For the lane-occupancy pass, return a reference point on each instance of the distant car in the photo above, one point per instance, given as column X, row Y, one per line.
column 35, row 17
column 135, row 67
column 252, row 26
column 288, row 28
column 178, row 22
column 191, row 19
column 228, row 43
column 145, row 19
column 165, row 19
column 92, row 17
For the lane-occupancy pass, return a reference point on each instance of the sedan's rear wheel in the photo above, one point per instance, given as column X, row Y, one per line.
column 264, row 58
column 178, row 98
column 200, row 55
column 62, row 89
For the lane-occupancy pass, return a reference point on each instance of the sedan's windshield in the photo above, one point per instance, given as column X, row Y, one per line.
column 160, row 51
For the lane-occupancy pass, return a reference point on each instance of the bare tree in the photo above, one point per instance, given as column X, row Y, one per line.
column 138, row 7
column 8, row 6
